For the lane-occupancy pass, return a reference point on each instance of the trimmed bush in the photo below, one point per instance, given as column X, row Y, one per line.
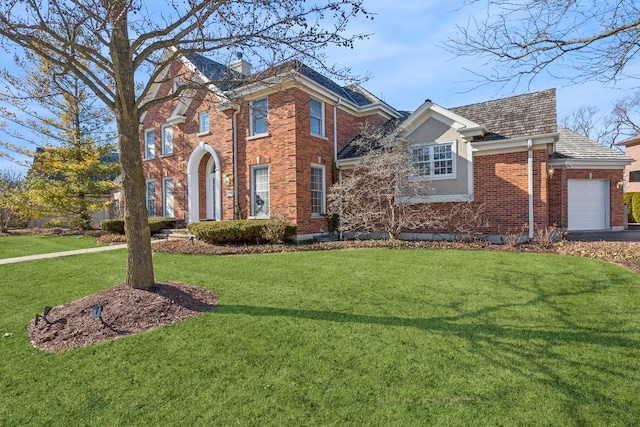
column 158, row 223
column 628, row 200
column 635, row 207
column 113, row 225
column 116, row 225
column 235, row 231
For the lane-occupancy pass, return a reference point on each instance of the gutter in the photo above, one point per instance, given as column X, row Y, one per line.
column 335, row 131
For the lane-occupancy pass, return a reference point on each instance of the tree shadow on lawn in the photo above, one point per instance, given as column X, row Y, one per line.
column 536, row 354
column 445, row 325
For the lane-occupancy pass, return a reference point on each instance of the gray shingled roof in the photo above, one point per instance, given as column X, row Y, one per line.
column 521, row 115
column 572, row 145
column 227, row 79
column 214, row 71
column 354, row 150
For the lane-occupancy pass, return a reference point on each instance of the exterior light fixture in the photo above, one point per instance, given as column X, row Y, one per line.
column 550, row 171
column 46, row 311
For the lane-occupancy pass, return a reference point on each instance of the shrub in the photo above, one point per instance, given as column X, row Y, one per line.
column 158, row 223
column 628, row 200
column 275, row 230
column 547, row 236
column 116, row 225
column 113, row 225
column 635, row 207
column 238, row 231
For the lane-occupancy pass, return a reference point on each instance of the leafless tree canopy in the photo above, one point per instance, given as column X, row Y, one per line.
column 574, row 39
column 367, row 198
column 269, row 32
column 127, row 39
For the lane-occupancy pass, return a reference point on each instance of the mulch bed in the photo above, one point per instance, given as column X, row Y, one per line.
column 125, row 311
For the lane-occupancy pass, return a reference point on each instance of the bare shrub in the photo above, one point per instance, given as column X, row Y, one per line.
column 547, row 236
column 515, row 236
column 380, row 193
column 275, row 230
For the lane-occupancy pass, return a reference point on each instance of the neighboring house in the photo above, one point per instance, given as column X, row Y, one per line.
column 269, row 149
column 509, row 155
column 632, row 172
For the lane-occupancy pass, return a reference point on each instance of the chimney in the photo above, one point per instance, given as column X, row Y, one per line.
column 240, row 65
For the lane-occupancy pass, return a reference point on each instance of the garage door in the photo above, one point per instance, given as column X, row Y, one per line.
column 588, row 204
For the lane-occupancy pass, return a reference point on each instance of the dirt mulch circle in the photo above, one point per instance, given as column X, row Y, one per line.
column 125, row 311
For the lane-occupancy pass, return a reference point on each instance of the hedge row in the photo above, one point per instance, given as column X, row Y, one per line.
column 116, row 225
column 632, row 200
column 242, row 231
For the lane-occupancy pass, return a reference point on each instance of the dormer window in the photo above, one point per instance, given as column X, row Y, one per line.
column 259, row 113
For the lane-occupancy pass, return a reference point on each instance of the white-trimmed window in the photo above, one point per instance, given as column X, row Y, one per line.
column 151, row 197
column 317, row 117
column 149, row 144
column 176, row 84
column 259, row 113
column 318, row 193
column 433, row 160
column 167, row 197
column 203, row 122
column 260, row 191
column 167, row 140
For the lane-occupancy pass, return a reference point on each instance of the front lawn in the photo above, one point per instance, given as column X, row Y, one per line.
column 395, row 337
column 16, row 246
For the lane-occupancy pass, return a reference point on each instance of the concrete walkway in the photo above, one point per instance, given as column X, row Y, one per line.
column 61, row 254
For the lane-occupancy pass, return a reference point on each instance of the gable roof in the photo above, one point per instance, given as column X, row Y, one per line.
column 516, row 116
column 227, row 79
column 224, row 77
column 354, row 150
column 572, row 145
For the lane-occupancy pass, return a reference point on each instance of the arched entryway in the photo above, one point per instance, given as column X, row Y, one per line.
column 212, row 184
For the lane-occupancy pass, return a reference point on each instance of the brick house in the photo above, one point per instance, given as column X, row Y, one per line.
column 265, row 149
column 510, row 155
column 269, row 152
column 632, row 172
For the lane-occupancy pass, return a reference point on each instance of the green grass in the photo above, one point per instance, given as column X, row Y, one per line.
column 357, row 337
column 16, row 246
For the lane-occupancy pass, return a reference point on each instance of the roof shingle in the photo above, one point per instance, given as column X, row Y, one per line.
column 572, row 145
column 521, row 115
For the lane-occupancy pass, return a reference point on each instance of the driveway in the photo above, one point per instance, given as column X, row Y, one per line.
column 607, row 236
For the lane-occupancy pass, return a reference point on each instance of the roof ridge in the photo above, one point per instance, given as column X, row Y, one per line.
column 506, row 98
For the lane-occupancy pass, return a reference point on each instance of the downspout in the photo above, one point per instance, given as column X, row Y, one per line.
column 235, row 163
column 340, row 205
column 335, row 159
column 530, row 185
column 335, row 131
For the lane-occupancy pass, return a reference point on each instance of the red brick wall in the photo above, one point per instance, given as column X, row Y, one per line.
column 634, row 153
column 500, row 182
column 558, row 200
column 289, row 150
column 185, row 140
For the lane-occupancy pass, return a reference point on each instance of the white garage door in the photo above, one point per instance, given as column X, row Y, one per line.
column 588, row 204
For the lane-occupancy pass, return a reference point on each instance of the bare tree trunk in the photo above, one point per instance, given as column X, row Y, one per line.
column 136, row 224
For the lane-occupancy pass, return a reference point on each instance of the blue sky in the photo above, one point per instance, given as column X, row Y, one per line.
column 407, row 63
